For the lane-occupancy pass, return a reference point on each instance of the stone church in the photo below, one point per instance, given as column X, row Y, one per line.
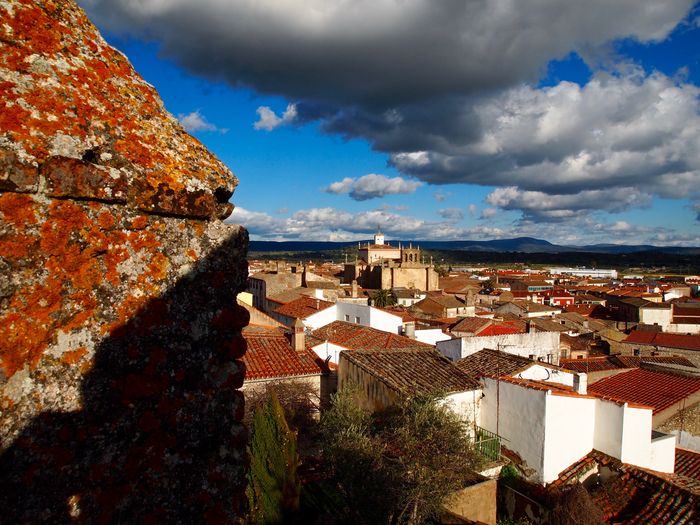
column 382, row 266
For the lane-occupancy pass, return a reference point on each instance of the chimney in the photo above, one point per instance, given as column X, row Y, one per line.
column 581, row 383
column 410, row 330
column 354, row 289
column 298, row 338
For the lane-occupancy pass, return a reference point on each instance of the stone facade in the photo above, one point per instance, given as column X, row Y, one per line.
column 119, row 330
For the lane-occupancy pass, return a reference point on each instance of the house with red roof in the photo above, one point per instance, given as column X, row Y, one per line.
column 666, row 389
column 278, row 354
column 328, row 341
column 644, row 344
column 550, row 426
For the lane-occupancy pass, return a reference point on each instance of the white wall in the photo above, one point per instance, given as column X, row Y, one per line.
column 321, row 318
column 325, row 349
column 431, row 336
column 467, row 406
column 609, row 419
column 517, row 414
column 660, row 316
column 663, row 453
column 539, row 344
column 361, row 314
column 636, row 436
column 542, row 373
column 569, row 433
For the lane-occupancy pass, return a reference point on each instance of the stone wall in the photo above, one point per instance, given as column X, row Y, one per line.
column 119, row 330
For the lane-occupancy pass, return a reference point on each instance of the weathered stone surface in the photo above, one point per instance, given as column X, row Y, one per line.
column 15, row 175
column 66, row 92
column 119, row 331
column 79, row 179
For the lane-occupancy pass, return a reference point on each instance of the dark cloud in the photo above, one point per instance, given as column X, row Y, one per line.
column 446, row 88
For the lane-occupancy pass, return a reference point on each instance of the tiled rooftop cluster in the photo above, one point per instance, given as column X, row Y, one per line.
column 659, row 390
column 413, row 371
column 270, row 355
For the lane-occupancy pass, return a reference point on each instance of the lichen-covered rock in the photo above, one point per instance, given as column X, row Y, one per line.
column 120, row 337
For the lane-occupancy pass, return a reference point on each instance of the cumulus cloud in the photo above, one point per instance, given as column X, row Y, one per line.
column 488, row 213
column 417, row 80
column 268, row 119
column 540, row 206
column 383, row 51
column 451, row 214
column 326, row 224
column 195, row 121
column 472, row 209
column 372, row 186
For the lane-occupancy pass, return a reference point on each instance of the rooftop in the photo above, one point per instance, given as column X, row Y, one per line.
column 270, row 355
column 686, row 342
column 616, row 362
column 357, row 337
column 659, row 390
column 493, row 362
column 412, row 371
column 303, row 307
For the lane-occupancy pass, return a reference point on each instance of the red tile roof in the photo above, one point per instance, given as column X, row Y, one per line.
column 688, row 463
column 358, row 337
column 686, row 342
column 659, row 390
column 270, row 355
column 599, row 364
column 412, row 371
column 471, row 325
column 303, row 307
column 493, row 363
column 498, row 329
column 632, row 495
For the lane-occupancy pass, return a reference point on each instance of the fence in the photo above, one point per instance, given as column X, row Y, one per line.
column 487, row 443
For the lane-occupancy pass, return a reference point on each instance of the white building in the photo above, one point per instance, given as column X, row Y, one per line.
column 551, row 427
column 542, row 346
column 585, row 272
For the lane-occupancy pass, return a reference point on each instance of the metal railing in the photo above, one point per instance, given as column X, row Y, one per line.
column 487, row 443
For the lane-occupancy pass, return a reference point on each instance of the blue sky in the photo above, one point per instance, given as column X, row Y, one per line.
column 577, row 125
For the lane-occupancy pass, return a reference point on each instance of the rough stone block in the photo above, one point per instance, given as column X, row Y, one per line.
column 78, row 179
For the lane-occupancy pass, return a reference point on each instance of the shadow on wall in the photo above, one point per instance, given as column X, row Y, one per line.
column 159, row 437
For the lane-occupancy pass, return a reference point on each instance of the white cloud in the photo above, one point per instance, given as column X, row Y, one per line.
column 268, row 119
column 472, row 209
column 451, row 214
column 488, row 213
column 540, row 206
column 195, row 121
column 372, row 186
column 325, row 224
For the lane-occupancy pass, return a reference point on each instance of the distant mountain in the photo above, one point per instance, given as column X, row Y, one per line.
column 519, row 244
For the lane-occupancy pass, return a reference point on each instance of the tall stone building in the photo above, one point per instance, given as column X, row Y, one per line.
column 382, row 266
column 120, row 337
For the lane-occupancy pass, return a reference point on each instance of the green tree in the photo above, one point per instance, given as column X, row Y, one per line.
column 396, row 466
column 383, row 298
column 273, row 488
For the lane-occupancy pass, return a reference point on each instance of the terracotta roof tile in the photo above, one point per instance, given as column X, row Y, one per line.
column 358, row 337
column 659, row 390
column 493, row 362
column 303, row 307
column 688, row 463
column 270, row 355
column 599, row 364
column 633, row 495
column 687, row 342
column 412, row 371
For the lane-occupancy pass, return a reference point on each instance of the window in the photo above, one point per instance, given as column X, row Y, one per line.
column 531, row 356
column 357, row 320
column 637, row 352
column 347, row 318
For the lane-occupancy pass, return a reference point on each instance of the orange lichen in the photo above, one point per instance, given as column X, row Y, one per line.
column 73, row 356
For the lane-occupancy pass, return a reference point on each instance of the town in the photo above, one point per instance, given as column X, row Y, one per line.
column 569, row 375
